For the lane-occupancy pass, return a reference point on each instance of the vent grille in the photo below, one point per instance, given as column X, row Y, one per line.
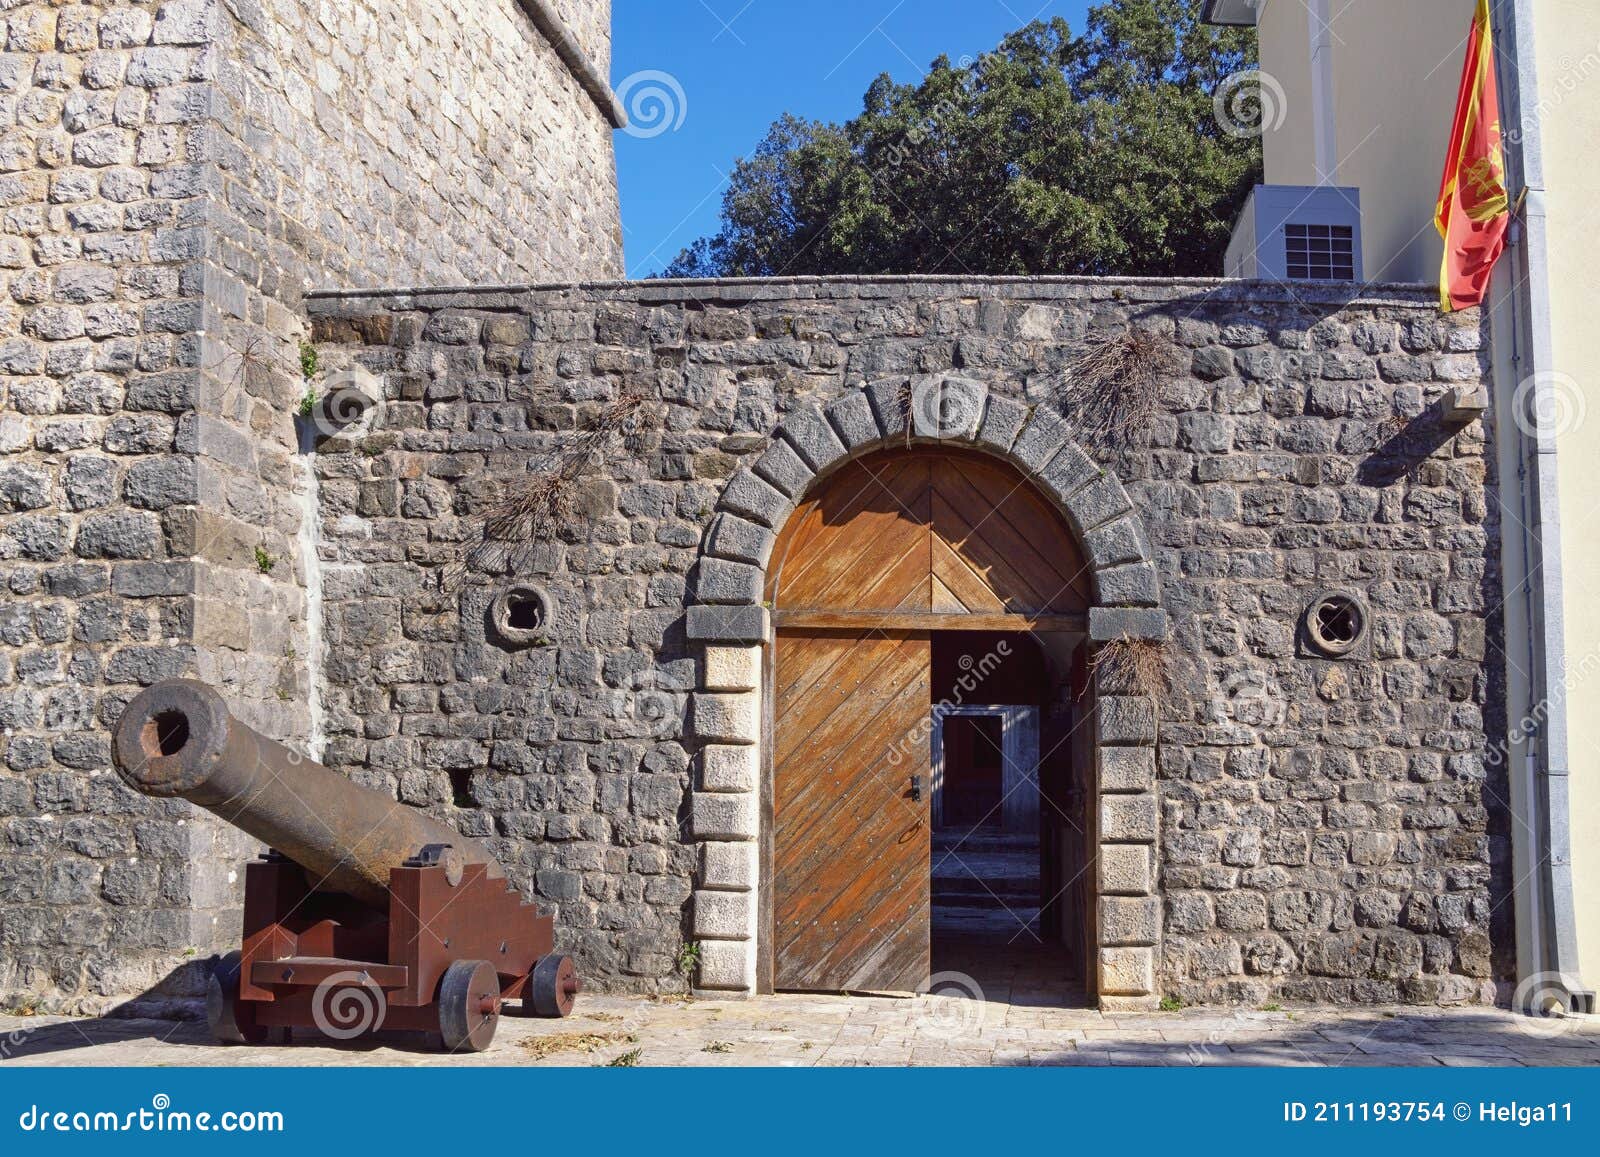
column 1320, row 252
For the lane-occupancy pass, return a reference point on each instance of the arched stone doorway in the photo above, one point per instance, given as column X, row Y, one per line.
column 916, row 594
column 732, row 714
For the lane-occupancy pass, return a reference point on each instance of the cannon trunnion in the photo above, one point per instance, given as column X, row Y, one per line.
column 367, row 915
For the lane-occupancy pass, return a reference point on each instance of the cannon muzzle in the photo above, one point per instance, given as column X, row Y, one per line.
column 177, row 738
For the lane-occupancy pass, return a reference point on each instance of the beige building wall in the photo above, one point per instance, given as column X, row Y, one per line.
column 1567, row 39
column 1396, row 69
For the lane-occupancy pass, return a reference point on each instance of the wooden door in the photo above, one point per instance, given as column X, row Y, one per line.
column 945, row 534
column 850, row 900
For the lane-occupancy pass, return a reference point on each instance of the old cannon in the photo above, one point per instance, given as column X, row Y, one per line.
column 365, row 913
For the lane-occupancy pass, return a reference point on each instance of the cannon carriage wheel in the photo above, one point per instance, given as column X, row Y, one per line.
column 553, row 987
column 469, row 1006
column 231, row 1020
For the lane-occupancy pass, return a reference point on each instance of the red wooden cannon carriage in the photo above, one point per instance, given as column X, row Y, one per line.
column 366, row 915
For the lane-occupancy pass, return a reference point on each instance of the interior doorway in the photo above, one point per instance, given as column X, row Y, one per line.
column 998, row 868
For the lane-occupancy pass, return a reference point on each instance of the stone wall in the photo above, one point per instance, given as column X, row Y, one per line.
column 1328, row 830
column 174, row 174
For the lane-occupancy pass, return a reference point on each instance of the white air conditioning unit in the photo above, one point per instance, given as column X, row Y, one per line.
column 1298, row 233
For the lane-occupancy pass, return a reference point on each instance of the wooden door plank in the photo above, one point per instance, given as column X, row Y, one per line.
column 853, row 801
column 1008, row 523
column 851, row 886
column 972, row 590
column 926, row 621
column 981, row 537
column 879, row 524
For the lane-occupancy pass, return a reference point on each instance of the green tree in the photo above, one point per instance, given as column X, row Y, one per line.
column 1053, row 154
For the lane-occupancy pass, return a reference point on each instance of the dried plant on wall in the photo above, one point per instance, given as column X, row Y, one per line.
column 1129, row 666
column 540, row 505
column 1112, row 393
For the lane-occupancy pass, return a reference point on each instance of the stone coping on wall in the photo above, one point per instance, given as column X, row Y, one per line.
column 583, row 69
column 1401, row 295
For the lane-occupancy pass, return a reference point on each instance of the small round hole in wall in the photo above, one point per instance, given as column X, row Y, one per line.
column 521, row 615
column 1336, row 624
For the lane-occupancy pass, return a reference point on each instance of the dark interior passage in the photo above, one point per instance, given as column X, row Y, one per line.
column 1002, row 887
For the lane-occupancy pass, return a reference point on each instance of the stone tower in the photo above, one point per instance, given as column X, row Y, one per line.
column 175, row 175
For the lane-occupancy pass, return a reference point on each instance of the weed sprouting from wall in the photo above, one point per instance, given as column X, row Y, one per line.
column 540, row 506
column 1129, row 666
column 1113, row 393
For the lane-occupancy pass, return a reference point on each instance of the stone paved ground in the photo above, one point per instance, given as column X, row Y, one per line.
column 806, row 1030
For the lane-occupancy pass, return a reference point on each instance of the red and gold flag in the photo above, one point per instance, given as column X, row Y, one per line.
column 1474, row 205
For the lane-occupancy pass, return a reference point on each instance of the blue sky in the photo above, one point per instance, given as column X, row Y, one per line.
column 740, row 64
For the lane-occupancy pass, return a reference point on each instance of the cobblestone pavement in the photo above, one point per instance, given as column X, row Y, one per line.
column 811, row 1030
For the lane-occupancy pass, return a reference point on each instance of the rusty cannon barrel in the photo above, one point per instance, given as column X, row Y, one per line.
column 178, row 739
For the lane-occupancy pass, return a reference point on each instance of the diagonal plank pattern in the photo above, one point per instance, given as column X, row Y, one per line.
column 850, row 847
column 932, row 531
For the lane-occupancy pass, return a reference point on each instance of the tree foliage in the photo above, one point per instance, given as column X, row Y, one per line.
column 1053, row 154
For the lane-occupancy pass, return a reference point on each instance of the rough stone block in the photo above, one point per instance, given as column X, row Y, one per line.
column 1125, row 921
column 732, row 669
column 741, row 540
column 729, row 867
column 730, row 768
column 722, row 583
column 785, row 469
column 727, row 718
column 1128, row 819
column 890, row 399
column 1114, row 544
column 1109, row 1003
column 1133, row 585
column 1463, row 404
column 724, row 915
column 1003, row 420
column 755, row 499
column 1107, row 624
column 1041, row 440
column 727, row 965
column 1067, row 473
column 814, row 438
column 853, row 419
column 1097, row 503
column 947, row 408
column 1127, row 972
column 728, row 624
column 1125, row 720
column 716, row 816
column 1125, row 770
column 1126, row 870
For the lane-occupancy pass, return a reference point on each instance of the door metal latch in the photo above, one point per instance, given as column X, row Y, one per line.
column 916, row 789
